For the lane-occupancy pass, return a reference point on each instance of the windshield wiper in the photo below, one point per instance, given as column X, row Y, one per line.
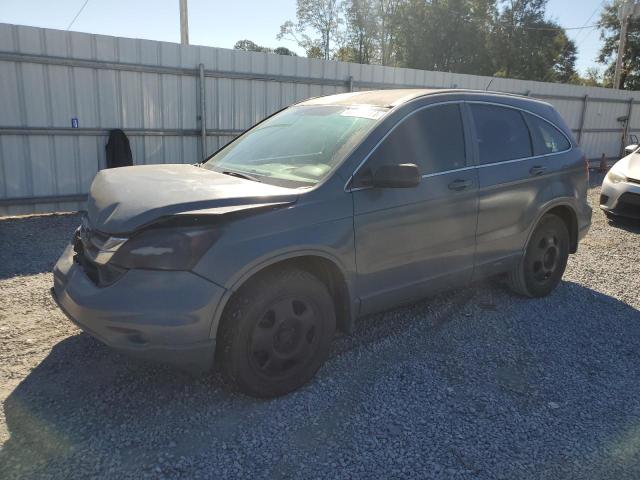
column 246, row 176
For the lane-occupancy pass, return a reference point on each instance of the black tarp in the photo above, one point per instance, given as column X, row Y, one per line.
column 118, row 150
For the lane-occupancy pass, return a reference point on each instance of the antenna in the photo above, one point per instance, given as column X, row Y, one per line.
column 489, row 84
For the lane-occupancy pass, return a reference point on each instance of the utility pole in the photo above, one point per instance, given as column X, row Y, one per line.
column 628, row 10
column 184, row 23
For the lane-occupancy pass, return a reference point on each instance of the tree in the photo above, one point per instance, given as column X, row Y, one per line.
column 564, row 68
column 285, row 51
column 360, row 38
column 249, row 46
column 321, row 17
column 446, row 35
column 388, row 13
column 346, row 54
column 507, row 38
column 591, row 78
column 610, row 34
column 527, row 46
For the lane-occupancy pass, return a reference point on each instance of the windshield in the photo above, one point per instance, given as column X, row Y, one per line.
column 297, row 147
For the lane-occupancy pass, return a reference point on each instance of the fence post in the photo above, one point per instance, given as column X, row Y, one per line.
column 583, row 117
column 203, row 114
column 627, row 126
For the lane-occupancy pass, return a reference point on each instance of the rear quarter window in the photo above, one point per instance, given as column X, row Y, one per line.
column 547, row 138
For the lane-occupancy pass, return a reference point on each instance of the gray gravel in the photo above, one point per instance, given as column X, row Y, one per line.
column 473, row 384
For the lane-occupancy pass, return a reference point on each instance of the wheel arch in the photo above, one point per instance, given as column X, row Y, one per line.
column 319, row 263
column 567, row 213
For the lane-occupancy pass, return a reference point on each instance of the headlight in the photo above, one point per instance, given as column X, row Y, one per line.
column 165, row 248
column 614, row 177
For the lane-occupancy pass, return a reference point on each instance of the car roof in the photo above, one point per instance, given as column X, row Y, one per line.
column 394, row 97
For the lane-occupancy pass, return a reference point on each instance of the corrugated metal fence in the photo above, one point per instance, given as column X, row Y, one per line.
column 178, row 103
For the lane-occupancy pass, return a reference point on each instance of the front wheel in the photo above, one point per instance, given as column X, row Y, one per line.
column 276, row 332
column 541, row 268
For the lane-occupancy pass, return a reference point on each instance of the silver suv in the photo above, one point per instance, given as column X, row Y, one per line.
column 333, row 208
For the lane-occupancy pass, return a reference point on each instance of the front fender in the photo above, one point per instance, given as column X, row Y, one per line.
column 243, row 275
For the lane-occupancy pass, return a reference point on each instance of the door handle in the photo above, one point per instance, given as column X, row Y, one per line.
column 459, row 184
column 537, row 170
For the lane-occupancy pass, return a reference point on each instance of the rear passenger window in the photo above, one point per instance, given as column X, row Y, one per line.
column 502, row 133
column 546, row 137
column 431, row 138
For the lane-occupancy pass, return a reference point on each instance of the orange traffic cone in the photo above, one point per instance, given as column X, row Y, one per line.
column 603, row 163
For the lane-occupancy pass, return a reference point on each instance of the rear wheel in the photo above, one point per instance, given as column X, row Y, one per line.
column 276, row 332
column 541, row 268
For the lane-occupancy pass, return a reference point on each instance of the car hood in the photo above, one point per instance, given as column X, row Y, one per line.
column 124, row 199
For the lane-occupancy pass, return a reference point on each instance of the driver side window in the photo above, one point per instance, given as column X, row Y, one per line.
column 432, row 138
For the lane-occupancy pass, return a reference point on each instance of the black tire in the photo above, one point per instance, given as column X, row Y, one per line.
column 541, row 268
column 276, row 332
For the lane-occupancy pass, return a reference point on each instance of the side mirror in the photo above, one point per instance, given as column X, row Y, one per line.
column 630, row 149
column 404, row 175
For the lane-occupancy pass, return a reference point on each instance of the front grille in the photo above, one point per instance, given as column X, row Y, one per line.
column 628, row 205
column 630, row 198
column 100, row 275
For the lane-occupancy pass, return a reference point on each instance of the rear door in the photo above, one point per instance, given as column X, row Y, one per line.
column 515, row 168
column 410, row 241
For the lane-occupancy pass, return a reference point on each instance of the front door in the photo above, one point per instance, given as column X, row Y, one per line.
column 412, row 241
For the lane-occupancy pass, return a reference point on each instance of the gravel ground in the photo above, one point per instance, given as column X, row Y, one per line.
column 473, row 384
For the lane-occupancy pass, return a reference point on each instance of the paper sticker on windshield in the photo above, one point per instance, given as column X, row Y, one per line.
column 363, row 112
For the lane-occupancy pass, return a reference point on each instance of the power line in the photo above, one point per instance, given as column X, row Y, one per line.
column 595, row 25
column 78, row 14
column 584, row 37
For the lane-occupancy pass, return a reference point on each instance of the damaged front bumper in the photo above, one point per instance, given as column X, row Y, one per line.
column 159, row 315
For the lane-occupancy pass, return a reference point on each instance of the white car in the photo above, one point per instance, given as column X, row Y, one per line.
column 620, row 194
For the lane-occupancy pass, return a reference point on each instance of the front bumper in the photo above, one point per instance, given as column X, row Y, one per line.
column 159, row 315
column 621, row 198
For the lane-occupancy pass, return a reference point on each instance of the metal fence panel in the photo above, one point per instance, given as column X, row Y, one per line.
column 152, row 90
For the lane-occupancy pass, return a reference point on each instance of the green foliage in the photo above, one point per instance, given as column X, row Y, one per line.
column 250, row 46
column 509, row 38
column 446, row 35
column 360, row 38
column 319, row 16
column 591, row 78
column 610, row 35
column 284, row 51
column 525, row 45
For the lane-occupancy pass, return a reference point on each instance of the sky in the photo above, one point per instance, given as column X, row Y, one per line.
column 220, row 23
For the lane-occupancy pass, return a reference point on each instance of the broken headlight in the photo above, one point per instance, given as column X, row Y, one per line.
column 165, row 248
column 615, row 177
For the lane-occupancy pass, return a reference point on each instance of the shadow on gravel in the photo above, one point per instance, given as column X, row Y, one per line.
column 628, row 224
column 85, row 404
column 31, row 245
